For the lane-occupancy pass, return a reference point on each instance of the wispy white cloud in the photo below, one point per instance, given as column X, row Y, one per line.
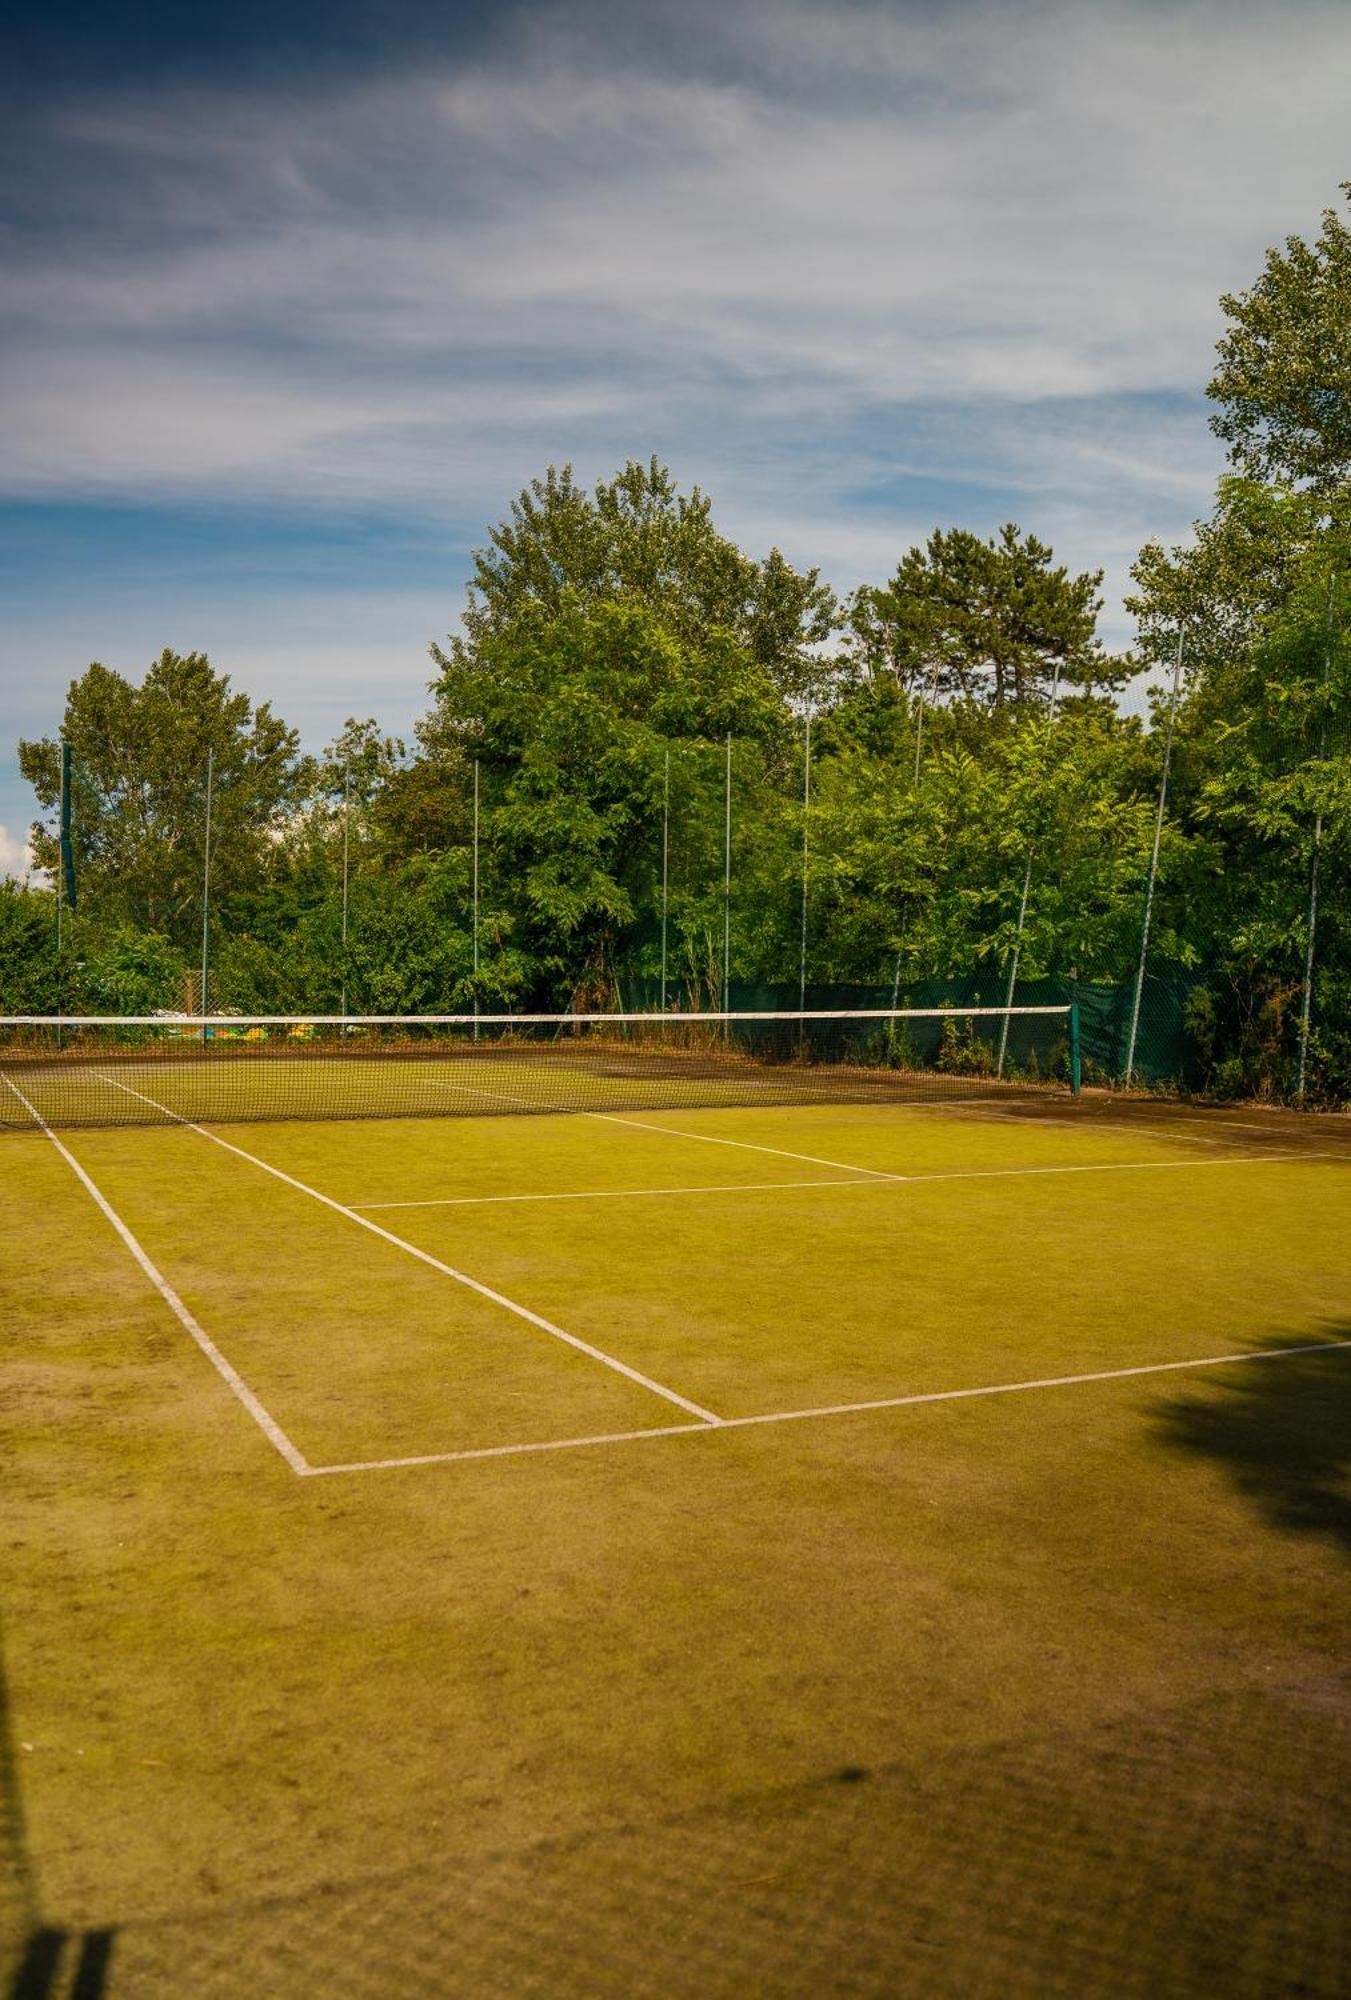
column 842, row 207
column 16, row 857
column 858, row 267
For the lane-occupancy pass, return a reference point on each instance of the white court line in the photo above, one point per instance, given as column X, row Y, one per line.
column 1109, row 1167
column 424, row 1257
column 745, row 1145
column 869, row 1175
column 836, row 1409
column 876, row 1179
column 605, row 1194
column 876, row 1174
column 237, row 1386
column 707, row 1138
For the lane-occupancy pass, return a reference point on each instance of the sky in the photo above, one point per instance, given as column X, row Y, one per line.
column 295, row 299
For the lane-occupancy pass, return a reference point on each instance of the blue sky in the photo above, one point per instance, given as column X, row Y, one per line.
column 295, row 299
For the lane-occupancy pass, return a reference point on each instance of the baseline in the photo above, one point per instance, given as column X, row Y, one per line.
column 232, row 1379
column 831, row 1410
column 447, row 1270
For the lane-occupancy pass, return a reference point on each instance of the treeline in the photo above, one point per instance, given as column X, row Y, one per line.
column 932, row 781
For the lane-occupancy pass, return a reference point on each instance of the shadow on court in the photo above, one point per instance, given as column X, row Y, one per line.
column 1282, row 1433
column 1193, row 1850
column 37, row 1961
column 1243, row 1128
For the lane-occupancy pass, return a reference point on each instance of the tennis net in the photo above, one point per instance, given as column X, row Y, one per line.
column 152, row 1069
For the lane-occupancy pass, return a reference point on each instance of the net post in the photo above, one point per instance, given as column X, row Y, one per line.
column 1076, row 1041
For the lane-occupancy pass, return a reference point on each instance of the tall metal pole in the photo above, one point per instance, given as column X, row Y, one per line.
column 1154, row 863
column 476, row 899
column 806, row 813
column 919, row 715
column 60, row 892
column 1022, row 904
column 665, row 863
column 914, row 784
column 727, row 883
column 895, row 1004
column 206, row 881
column 1306, row 998
column 346, row 828
column 1013, row 964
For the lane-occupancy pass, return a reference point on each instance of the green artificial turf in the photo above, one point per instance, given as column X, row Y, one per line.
column 1039, row 1693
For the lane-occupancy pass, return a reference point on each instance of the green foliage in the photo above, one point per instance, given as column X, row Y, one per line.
column 359, row 763
column 139, row 804
column 617, row 650
column 129, row 971
column 638, row 540
column 570, row 716
column 1269, row 737
column 1283, row 382
column 1238, row 571
column 28, row 980
column 990, row 620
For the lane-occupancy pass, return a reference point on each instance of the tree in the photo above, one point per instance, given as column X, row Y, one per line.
column 569, row 713
column 923, row 881
column 359, row 763
column 994, row 621
column 637, row 539
column 29, row 982
column 1268, row 740
column 1241, row 568
column 1261, row 734
column 1283, row 381
column 140, row 778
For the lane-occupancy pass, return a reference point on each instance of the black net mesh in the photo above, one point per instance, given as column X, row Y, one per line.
column 73, row 1072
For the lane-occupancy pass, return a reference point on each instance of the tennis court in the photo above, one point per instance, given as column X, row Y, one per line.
column 832, row 1433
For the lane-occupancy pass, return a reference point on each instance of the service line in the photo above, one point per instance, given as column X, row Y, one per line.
column 832, row 1409
column 860, row 1177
